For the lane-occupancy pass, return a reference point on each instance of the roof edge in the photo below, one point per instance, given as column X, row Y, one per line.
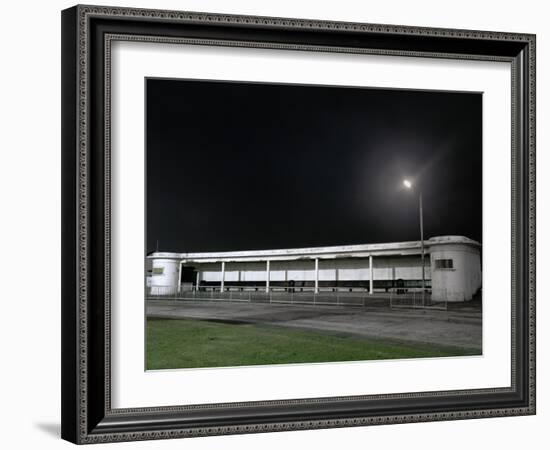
column 310, row 251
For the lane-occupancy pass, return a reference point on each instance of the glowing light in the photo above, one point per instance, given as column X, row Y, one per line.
column 407, row 184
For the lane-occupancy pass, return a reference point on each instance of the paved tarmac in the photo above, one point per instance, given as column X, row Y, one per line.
column 459, row 327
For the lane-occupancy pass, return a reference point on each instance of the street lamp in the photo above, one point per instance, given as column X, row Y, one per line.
column 410, row 186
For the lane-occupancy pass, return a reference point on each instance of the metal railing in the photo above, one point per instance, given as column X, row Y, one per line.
column 418, row 298
column 304, row 295
column 402, row 297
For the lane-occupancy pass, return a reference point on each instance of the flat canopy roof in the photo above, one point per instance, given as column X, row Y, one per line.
column 341, row 251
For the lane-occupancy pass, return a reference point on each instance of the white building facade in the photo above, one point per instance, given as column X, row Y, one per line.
column 452, row 269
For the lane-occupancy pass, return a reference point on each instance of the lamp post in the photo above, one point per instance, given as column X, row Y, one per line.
column 409, row 186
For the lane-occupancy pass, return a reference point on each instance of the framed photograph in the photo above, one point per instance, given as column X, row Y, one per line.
column 278, row 224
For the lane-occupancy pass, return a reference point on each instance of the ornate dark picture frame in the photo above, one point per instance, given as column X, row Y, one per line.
column 87, row 34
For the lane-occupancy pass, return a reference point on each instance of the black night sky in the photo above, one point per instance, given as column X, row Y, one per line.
column 241, row 166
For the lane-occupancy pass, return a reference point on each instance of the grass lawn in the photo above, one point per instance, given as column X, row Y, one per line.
column 185, row 343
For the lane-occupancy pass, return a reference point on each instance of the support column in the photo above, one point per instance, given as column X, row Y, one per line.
column 223, row 277
column 198, row 281
column 267, row 276
column 422, row 250
column 316, row 275
column 371, row 276
column 179, row 278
